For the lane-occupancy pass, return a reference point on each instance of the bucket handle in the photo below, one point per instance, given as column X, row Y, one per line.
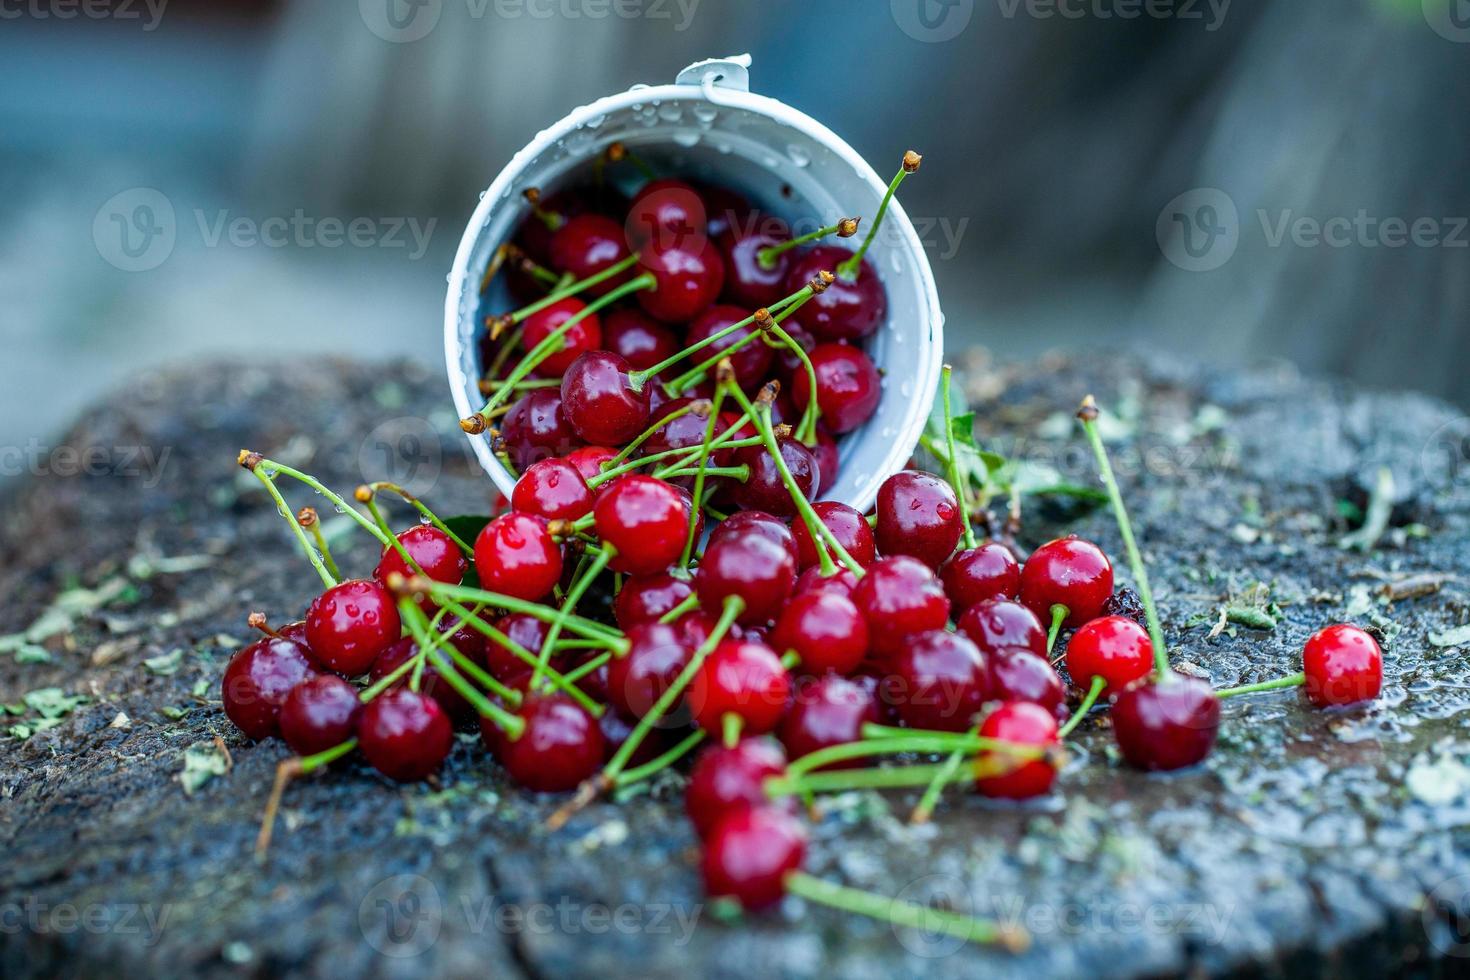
column 712, row 73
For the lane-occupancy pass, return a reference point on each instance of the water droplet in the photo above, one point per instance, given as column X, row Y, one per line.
column 704, row 113
column 685, row 137
column 638, row 87
column 895, row 262
column 670, row 113
column 798, row 156
column 596, row 121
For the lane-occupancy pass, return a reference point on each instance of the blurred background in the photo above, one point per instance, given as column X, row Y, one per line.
column 1228, row 180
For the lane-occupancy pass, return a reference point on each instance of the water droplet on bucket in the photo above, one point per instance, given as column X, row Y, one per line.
column 704, row 113
column 671, row 113
column 685, row 137
column 798, row 156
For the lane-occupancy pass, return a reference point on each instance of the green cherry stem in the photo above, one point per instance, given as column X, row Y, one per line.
column 337, row 502
column 569, row 607
column 287, row 770
column 308, row 518
column 382, row 486
column 943, row 778
column 629, row 777
column 1093, row 693
column 525, row 656
column 564, row 292
column 909, row 915
column 1292, row 680
column 328, row 579
column 925, row 742
column 1059, row 614
column 844, row 228
column 589, row 667
column 632, row 447
column 585, row 628
column 504, row 720
column 848, row 269
column 730, row 726
column 952, row 462
column 689, row 604
column 696, row 498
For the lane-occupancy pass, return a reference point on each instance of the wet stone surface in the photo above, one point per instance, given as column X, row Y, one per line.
column 1322, row 842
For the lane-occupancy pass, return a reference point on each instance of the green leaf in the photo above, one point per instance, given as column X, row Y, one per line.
column 52, row 702
column 202, row 762
column 165, row 664
column 1457, row 637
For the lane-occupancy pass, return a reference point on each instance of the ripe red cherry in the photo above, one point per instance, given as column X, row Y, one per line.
column 561, row 745
column 683, row 431
column 1070, row 572
column 764, row 489
column 749, row 854
column 1116, row 649
column 646, row 520
column 528, row 631
column 999, row 623
column 849, row 309
column 687, row 280
column 637, row 339
column 788, row 363
column 938, row 681
column 535, row 233
column 405, row 735
column 589, row 461
column 656, row 654
column 536, row 428
column 669, row 212
column 319, row 713
column 749, row 282
column 257, row 682
column 724, row 209
column 842, row 582
column 829, row 463
column 580, row 337
column 430, row 683
column 647, row 598
column 351, row 623
column 848, row 386
column 1343, row 665
column 755, row 568
column 899, row 597
column 973, row 575
column 752, row 362
column 727, row 780
column 616, row 728
column 918, row 515
column 433, row 550
column 849, row 527
column 1168, row 724
column 599, row 400
column 588, row 244
column 1017, row 674
column 759, row 523
column 516, row 556
column 552, row 488
column 742, row 678
column 829, row 711
column 1025, row 724
column 825, row 630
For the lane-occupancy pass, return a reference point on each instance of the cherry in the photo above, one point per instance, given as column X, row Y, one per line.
column 752, row 361
column 759, row 523
column 787, row 362
column 848, row 386
column 588, row 244
column 536, row 428
column 1017, row 674
column 999, row 623
column 830, row 711
column 686, row 280
column 656, row 655
column 433, row 550
column 741, row 678
column 637, row 339
column 1067, row 572
column 528, row 631
column 351, row 623
column 938, row 681
column 972, row 575
column 1125, row 602
column 405, row 735
column 684, row 430
column 560, row 746
column 825, row 630
column 257, row 682
column 899, row 597
column 647, row 598
column 729, row 780
column 849, row 309
column 1166, row 724
column 1343, row 665
column 723, row 208
column 600, row 401
column 616, row 728
column 749, row 854
column 751, row 566
column 430, row 683
column 1115, row 649
column 646, row 520
column 319, row 713
column 811, row 581
column 553, row 489
column 551, row 213
column 1023, row 724
column 666, row 211
column 580, row 337
column 749, row 282
column 849, row 527
column 764, row 489
column 918, row 515
column 516, row 556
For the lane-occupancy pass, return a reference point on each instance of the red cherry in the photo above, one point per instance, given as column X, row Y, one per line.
column 528, row 631
column 637, row 339
column 829, row 711
column 647, row 598
column 755, row 568
column 848, row 386
column 646, row 520
column 749, row 854
column 1163, row 725
column 430, row 683
column 825, row 630
column 534, row 235
column 1070, row 572
column 742, row 678
column 582, row 336
column 615, row 731
column 588, row 244
column 973, row 575
column 656, row 654
column 1024, row 724
column 999, row 623
column 899, row 597
column 759, row 523
column 552, row 488
column 764, row 489
column 724, row 209
column 536, row 428
column 1116, row 649
column 257, row 682
column 728, row 780
column 589, row 461
column 752, row 362
column 405, row 735
column 918, row 515
column 561, row 745
column 749, row 282
column 788, row 363
column 669, row 212
column 351, row 623
column 1017, row 674
column 1343, row 665
column 516, row 556
column 684, row 431
column 849, row 527
column 938, row 681
column 433, row 550
column 848, row 309
column 687, row 280
column 319, row 713
column 842, row 583
column 599, row 399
